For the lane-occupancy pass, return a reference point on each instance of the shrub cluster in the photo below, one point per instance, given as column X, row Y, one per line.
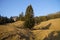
column 4, row 20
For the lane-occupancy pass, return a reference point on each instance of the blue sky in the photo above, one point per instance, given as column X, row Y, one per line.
column 41, row 7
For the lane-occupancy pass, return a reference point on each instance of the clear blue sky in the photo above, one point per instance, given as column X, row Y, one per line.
column 41, row 7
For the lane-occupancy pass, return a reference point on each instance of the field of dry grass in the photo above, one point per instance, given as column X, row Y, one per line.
column 54, row 24
column 43, row 31
column 13, row 31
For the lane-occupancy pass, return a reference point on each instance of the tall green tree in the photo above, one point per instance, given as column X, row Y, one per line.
column 21, row 17
column 29, row 17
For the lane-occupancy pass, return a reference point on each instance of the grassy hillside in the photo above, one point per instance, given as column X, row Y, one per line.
column 54, row 24
column 13, row 31
column 43, row 31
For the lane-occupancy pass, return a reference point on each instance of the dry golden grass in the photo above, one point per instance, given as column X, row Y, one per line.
column 15, row 31
column 40, row 33
column 10, row 26
column 55, row 24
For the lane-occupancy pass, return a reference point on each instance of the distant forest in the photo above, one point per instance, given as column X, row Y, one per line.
column 29, row 11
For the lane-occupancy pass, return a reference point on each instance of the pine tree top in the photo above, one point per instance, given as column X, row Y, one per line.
column 29, row 7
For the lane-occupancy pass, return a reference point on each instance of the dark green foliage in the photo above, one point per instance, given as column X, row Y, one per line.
column 29, row 12
column 29, row 23
column 37, row 20
column 21, row 17
column 54, row 16
column 11, row 20
column 29, row 18
column 45, row 18
column 4, row 20
column 40, row 19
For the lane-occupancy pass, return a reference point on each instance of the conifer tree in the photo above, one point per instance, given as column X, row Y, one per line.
column 29, row 17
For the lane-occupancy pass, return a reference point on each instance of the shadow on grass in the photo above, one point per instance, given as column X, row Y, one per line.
column 55, row 35
column 46, row 27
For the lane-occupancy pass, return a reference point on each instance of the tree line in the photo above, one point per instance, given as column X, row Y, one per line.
column 39, row 19
column 46, row 18
column 4, row 20
column 29, row 18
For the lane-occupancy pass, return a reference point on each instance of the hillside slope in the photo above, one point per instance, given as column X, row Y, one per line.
column 41, row 31
column 13, row 31
column 48, row 30
column 54, row 24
